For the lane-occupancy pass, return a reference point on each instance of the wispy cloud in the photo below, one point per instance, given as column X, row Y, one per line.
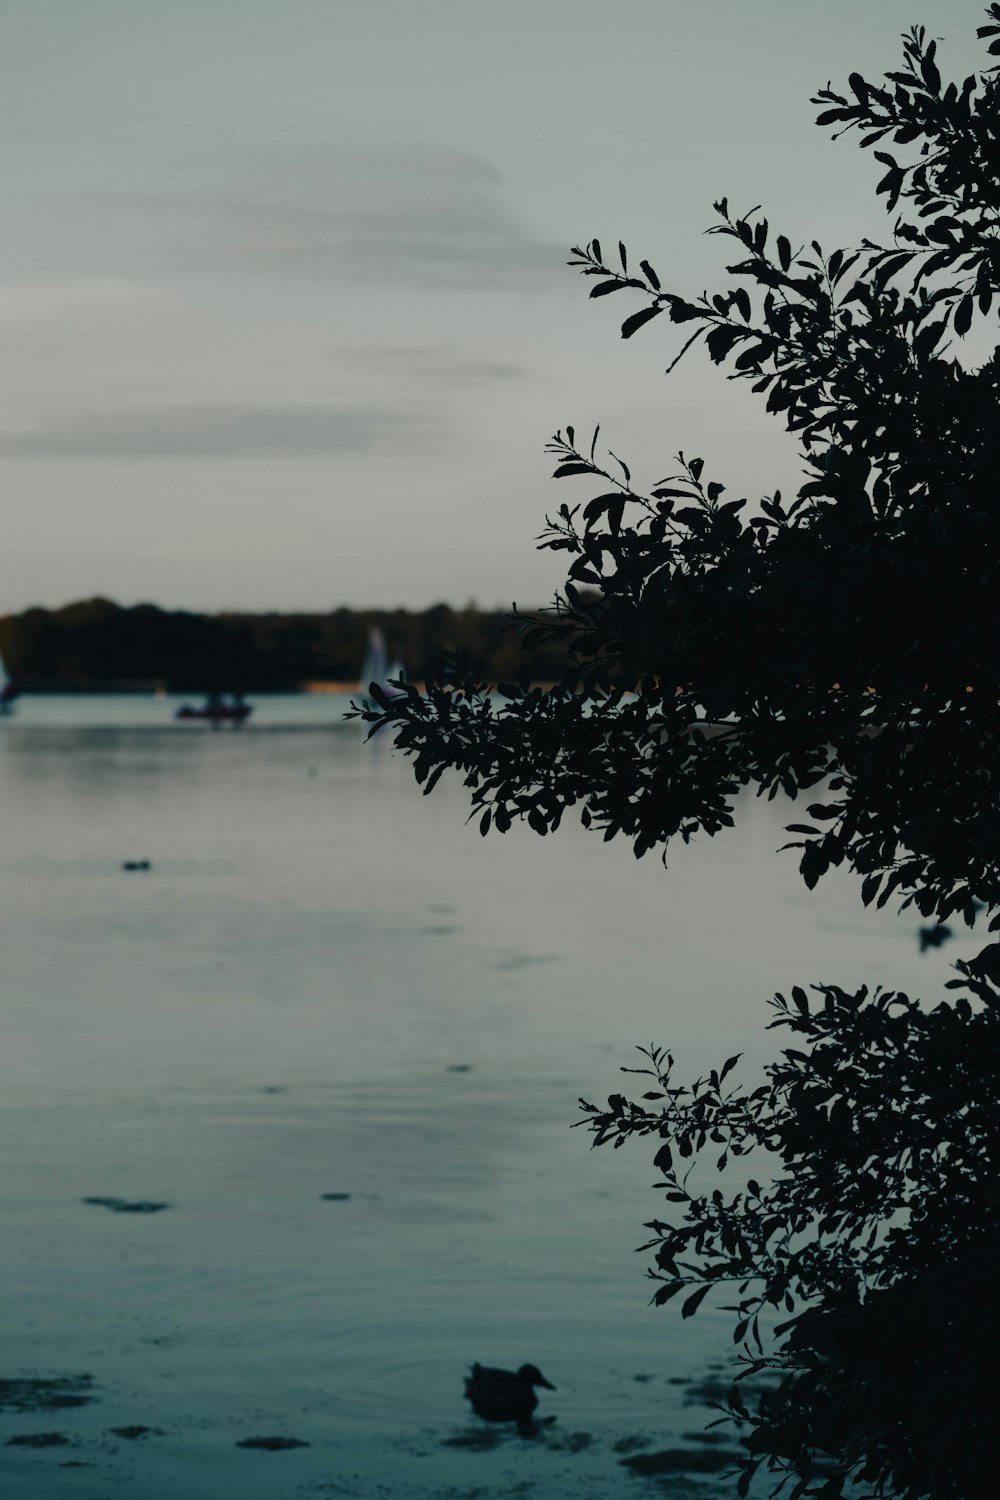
column 409, row 218
column 223, row 432
column 438, row 362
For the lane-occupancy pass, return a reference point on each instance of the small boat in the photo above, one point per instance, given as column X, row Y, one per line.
column 218, row 710
column 505, row 1395
column 378, row 668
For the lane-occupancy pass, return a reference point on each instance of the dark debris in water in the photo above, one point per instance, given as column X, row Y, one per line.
column 706, row 1390
column 335, row 1197
column 459, row 1067
column 47, row 1394
column 37, row 1440
column 486, row 1439
column 681, row 1461
column 272, row 1444
column 631, row 1443
column 136, row 1431
column 704, row 1437
column 567, row 1442
column 712, row 1389
column 127, row 1205
column 476, row 1439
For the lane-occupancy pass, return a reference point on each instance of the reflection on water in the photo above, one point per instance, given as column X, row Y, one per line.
column 342, row 1037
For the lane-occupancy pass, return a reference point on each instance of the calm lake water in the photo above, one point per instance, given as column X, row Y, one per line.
column 328, row 984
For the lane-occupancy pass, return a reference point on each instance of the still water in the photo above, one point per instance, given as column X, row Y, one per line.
column 327, row 984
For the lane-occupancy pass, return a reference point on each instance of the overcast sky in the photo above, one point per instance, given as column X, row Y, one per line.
column 286, row 319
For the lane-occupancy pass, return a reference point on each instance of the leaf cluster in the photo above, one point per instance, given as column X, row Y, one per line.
column 846, row 639
column 864, row 1274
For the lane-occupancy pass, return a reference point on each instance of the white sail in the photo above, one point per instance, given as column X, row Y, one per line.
column 377, row 667
column 8, row 692
column 373, row 668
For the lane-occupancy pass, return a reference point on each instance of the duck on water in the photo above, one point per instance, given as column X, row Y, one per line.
column 506, row 1395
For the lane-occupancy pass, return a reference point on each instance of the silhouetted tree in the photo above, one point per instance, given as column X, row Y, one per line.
column 847, row 641
column 96, row 642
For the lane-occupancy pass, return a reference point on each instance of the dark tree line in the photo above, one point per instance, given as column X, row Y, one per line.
column 96, row 642
column 841, row 644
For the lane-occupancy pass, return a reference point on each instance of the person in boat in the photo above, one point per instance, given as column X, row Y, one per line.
column 217, row 707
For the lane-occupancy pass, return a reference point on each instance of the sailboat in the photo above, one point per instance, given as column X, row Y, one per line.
column 378, row 668
column 8, row 692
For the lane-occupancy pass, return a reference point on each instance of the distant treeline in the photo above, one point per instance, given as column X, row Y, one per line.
column 96, row 643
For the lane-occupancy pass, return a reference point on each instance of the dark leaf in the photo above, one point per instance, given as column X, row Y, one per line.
column 664, row 1158
column 635, row 322
column 693, row 1302
column 986, row 963
column 813, row 864
column 963, row 314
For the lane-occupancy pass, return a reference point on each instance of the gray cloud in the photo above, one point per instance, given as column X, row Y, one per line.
column 407, row 218
column 444, row 362
column 219, row 431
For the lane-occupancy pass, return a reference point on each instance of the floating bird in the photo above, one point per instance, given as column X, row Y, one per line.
column 506, row 1395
